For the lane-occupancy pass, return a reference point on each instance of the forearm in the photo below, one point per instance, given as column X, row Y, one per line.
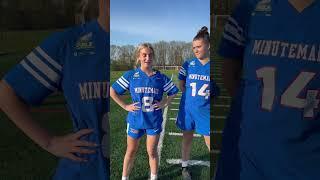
column 19, row 113
column 182, row 85
column 169, row 99
column 117, row 98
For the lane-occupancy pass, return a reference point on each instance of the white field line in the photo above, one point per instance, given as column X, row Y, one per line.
column 174, row 109
column 180, row 134
column 172, row 119
column 176, row 98
column 191, row 162
column 160, row 143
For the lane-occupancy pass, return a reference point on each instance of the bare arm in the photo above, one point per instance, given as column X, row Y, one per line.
column 231, row 73
column 128, row 107
column 19, row 113
column 182, row 85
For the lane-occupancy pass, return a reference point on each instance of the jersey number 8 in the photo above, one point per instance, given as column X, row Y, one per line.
column 147, row 104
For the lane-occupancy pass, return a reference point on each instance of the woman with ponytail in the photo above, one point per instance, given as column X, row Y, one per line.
column 194, row 110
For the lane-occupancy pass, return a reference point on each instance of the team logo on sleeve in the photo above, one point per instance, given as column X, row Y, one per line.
column 263, row 7
column 136, row 75
column 85, row 45
column 192, row 63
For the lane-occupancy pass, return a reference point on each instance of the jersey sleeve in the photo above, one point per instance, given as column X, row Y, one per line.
column 169, row 87
column 183, row 71
column 39, row 73
column 234, row 36
column 123, row 83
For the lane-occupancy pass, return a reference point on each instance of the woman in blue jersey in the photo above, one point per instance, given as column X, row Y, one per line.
column 146, row 87
column 272, row 61
column 72, row 62
column 194, row 110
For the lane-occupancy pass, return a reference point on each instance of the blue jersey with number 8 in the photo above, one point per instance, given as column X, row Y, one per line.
column 146, row 90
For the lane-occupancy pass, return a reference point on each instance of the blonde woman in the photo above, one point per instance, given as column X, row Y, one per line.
column 146, row 87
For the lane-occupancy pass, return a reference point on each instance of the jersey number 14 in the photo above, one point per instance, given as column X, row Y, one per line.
column 290, row 96
column 202, row 91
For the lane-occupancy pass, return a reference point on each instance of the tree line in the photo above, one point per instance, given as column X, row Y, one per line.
column 172, row 53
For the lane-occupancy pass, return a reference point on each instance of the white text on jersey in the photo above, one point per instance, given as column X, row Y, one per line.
column 146, row 90
column 94, row 90
column 301, row 51
column 199, row 77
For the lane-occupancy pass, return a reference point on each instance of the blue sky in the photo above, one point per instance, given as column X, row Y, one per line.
column 136, row 21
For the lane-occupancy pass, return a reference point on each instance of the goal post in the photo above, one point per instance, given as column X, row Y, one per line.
column 169, row 67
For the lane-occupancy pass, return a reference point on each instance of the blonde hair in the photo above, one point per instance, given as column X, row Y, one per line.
column 139, row 48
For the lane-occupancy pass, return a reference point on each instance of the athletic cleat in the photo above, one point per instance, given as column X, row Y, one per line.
column 186, row 175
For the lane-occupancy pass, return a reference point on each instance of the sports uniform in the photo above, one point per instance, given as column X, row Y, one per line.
column 279, row 134
column 194, row 108
column 147, row 90
column 76, row 62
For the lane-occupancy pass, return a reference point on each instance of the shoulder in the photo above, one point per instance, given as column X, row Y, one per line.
column 131, row 73
column 78, row 32
column 188, row 61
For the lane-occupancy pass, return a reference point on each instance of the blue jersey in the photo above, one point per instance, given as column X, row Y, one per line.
column 76, row 62
column 197, row 78
column 280, row 48
column 146, row 90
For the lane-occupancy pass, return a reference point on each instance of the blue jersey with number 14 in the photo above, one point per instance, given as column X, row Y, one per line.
column 197, row 78
column 280, row 48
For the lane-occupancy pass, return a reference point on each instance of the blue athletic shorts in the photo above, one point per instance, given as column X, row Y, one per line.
column 137, row 133
column 196, row 119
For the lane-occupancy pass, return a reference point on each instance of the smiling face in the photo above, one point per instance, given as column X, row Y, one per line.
column 145, row 57
column 200, row 49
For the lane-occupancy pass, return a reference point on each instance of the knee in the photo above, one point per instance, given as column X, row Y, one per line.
column 131, row 151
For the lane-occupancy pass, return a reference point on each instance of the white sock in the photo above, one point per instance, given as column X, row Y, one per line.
column 125, row 178
column 153, row 176
column 184, row 164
